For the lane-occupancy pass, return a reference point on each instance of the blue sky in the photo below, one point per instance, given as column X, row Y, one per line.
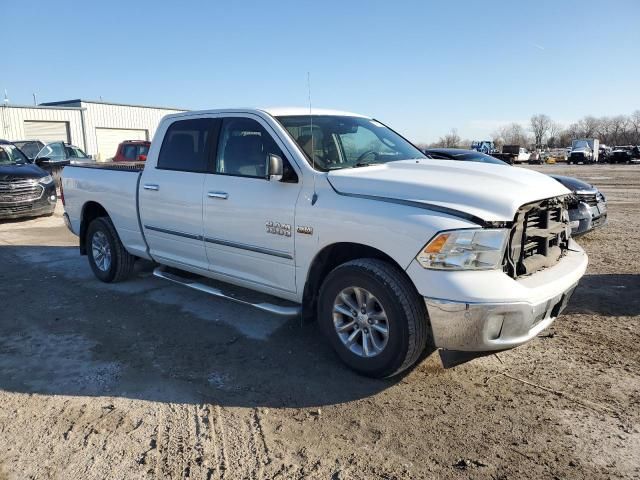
column 422, row 67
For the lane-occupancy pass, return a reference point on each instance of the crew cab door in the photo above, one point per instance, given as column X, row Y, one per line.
column 171, row 193
column 249, row 219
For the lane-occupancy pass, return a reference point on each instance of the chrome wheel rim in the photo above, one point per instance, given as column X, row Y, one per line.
column 360, row 322
column 101, row 251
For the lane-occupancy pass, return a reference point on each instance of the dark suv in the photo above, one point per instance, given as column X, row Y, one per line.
column 26, row 190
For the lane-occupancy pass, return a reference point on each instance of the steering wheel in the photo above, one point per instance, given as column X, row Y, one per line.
column 367, row 153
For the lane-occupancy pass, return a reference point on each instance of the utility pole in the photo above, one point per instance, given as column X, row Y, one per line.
column 35, row 99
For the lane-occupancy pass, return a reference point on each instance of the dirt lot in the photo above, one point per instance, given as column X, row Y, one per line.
column 148, row 380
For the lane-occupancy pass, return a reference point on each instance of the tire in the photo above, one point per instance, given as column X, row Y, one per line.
column 408, row 329
column 120, row 264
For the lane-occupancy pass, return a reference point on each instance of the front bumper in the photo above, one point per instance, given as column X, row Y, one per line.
column 584, row 218
column 488, row 310
column 491, row 326
column 45, row 204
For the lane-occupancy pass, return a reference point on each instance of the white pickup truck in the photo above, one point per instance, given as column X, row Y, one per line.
column 337, row 217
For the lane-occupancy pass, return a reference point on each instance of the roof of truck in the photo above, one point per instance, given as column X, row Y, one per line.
column 299, row 111
column 275, row 111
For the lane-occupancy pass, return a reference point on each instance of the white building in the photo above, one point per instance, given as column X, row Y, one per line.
column 96, row 127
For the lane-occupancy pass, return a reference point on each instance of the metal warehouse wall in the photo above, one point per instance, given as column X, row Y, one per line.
column 107, row 115
column 12, row 118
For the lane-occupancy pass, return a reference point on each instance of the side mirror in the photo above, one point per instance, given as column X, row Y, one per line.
column 41, row 160
column 274, row 167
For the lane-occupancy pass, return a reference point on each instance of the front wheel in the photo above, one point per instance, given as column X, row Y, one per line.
column 373, row 317
column 108, row 258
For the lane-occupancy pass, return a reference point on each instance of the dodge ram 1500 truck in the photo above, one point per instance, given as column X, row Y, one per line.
column 335, row 216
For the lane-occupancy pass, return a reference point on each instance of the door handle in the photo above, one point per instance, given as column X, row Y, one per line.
column 221, row 195
column 150, row 186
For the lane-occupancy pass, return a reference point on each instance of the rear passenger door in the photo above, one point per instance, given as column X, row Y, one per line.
column 249, row 219
column 171, row 193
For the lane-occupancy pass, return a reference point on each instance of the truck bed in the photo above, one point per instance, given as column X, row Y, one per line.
column 113, row 186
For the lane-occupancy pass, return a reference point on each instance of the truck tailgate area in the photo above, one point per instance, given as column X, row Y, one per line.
column 112, row 186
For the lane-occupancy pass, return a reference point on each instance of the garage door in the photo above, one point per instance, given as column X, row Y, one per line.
column 109, row 139
column 46, row 131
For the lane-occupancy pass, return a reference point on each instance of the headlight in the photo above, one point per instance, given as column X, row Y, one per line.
column 480, row 249
column 45, row 180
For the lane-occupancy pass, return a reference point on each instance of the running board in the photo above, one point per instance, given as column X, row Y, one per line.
column 282, row 310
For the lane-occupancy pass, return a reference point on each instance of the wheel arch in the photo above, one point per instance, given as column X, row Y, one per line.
column 329, row 258
column 90, row 211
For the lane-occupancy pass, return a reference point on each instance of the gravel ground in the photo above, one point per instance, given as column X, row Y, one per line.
column 149, row 380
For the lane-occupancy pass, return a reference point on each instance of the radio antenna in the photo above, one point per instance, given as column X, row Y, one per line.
column 313, row 151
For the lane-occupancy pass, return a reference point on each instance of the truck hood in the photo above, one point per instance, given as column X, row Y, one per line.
column 485, row 191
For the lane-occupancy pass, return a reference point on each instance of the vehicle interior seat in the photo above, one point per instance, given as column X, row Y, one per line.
column 244, row 155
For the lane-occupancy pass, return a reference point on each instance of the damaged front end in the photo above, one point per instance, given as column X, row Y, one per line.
column 539, row 236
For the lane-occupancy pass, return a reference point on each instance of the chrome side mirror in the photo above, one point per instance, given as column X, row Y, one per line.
column 274, row 167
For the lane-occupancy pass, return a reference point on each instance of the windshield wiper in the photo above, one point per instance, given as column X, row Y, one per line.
column 365, row 164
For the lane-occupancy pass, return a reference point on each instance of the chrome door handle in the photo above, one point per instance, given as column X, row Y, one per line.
column 221, row 195
column 150, row 186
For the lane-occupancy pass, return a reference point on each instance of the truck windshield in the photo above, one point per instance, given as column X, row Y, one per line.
column 332, row 142
column 10, row 155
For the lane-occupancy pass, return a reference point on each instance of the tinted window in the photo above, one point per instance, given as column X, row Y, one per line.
column 129, row 152
column 30, row 149
column 186, row 145
column 243, row 148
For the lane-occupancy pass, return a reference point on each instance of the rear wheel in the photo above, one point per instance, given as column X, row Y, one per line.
column 108, row 258
column 373, row 317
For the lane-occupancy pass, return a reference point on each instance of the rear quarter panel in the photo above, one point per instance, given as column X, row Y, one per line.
column 115, row 191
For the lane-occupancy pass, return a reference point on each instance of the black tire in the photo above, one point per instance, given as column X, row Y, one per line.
column 408, row 325
column 121, row 262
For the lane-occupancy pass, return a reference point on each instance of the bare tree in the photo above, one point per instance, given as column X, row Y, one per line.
column 451, row 139
column 539, row 125
column 553, row 138
column 512, row 134
column 634, row 124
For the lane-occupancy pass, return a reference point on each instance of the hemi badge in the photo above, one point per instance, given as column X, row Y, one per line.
column 305, row 230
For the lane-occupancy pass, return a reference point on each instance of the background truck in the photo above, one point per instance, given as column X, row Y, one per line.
column 584, row 150
column 513, row 154
column 484, row 146
column 336, row 217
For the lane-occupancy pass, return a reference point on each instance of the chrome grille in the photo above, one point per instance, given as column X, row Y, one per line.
column 589, row 198
column 19, row 191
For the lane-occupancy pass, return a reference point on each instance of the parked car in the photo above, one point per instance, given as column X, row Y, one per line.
column 337, row 217
column 25, row 189
column 587, row 206
column 53, row 157
column 132, row 151
column 621, row 154
column 29, row 147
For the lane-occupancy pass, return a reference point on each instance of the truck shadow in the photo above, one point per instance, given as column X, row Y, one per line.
column 62, row 332
column 609, row 295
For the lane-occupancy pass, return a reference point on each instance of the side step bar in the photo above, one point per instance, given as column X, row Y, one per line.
column 282, row 310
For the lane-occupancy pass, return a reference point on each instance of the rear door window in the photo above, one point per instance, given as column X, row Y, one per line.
column 187, row 145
